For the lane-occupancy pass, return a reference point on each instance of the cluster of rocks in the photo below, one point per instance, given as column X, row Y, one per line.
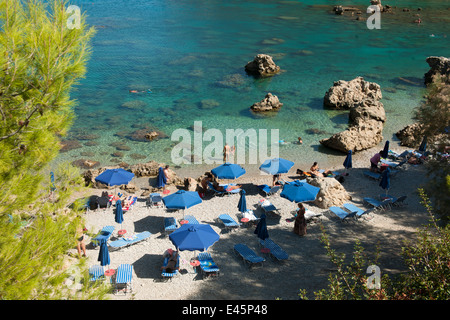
column 439, row 66
column 148, row 169
column 412, row 134
column 366, row 117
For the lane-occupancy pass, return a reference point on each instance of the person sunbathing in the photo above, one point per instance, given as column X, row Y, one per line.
column 171, row 263
column 315, row 171
column 227, row 187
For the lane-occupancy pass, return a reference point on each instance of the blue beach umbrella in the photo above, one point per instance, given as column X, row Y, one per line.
column 299, row 191
column 182, row 199
column 385, row 182
column 261, row 228
column 385, row 152
column 103, row 255
column 423, row 145
column 228, row 171
column 115, row 177
column 276, row 166
column 242, row 204
column 119, row 213
column 348, row 160
column 161, row 180
column 194, row 237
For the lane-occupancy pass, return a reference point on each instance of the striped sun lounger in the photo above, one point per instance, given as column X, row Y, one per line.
column 170, row 275
column 207, row 264
column 228, row 221
column 248, row 255
column 124, row 277
column 96, row 272
column 104, row 234
column 276, row 252
column 191, row 219
column 125, row 242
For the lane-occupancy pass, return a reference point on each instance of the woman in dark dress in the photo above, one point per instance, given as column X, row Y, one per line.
column 300, row 221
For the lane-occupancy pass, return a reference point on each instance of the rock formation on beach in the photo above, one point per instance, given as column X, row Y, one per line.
column 345, row 94
column 148, row 169
column 262, row 66
column 366, row 117
column 269, row 103
column 331, row 193
column 438, row 66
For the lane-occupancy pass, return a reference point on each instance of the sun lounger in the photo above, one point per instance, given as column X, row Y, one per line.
column 130, row 205
column 228, row 221
column 359, row 212
column 267, row 207
column 96, row 272
column 128, row 241
column 191, row 219
column 155, row 200
column 311, row 215
column 377, row 204
column 398, row 202
column 217, row 192
column 268, row 191
column 342, row 214
column 170, row 225
column 250, row 215
column 124, row 277
column 372, row 175
column 207, row 264
column 276, row 252
column 248, row 255
column 104, row 234
column 170, row 275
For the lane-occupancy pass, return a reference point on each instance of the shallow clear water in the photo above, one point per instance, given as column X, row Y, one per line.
column 183, row 50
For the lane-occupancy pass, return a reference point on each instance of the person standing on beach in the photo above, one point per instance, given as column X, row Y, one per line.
column 81, row 246
column 166, row 175
column 300, row 221
column 226, row 152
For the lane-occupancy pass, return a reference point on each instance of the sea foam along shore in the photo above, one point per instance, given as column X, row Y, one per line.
column 308, row 266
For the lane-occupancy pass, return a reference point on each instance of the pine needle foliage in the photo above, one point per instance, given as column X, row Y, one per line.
column 41, row 60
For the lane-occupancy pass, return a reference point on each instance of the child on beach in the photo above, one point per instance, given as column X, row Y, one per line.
column 374, row 162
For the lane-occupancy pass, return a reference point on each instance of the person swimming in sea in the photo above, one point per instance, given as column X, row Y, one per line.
column 140, row 91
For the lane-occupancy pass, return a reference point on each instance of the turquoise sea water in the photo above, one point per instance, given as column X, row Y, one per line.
column 183, row 50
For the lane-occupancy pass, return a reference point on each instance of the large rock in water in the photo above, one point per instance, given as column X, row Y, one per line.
column 345, row 94
column 366, row 117
column 262, row 66
column 331, row 193
column 361, row 136
column 440, row 66
column 269, row 103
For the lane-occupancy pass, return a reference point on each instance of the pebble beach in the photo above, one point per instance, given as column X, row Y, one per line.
column 308, row 266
